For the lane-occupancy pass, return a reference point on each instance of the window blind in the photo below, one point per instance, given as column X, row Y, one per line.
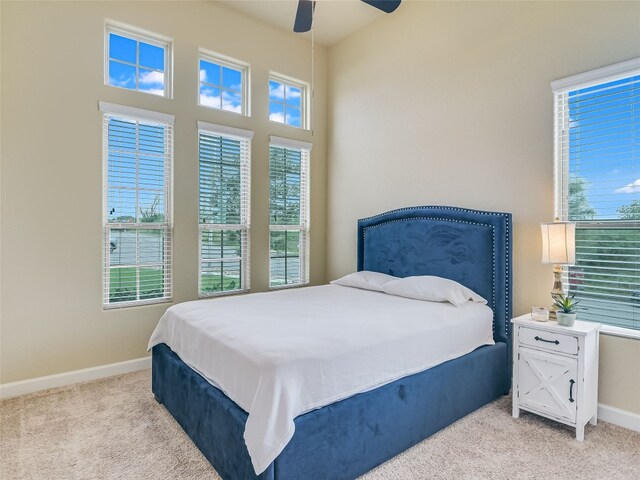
column 598, row 186
column 288, row 212
column 137, row 201
column 225, row 157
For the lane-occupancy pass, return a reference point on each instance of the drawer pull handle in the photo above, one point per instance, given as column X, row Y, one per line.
column 540, row 339
column 571, row 382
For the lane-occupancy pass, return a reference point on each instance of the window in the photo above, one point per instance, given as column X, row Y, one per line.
column 224, row 209
column 597, row 153
column 288, row 212
column 223, row 83
column 137, row 61
column 137, row 201
column 287, row 101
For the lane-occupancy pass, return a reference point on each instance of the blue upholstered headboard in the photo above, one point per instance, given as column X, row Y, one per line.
column 471, row 247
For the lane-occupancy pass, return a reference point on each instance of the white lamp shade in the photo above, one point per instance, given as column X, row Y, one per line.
column 559, row 243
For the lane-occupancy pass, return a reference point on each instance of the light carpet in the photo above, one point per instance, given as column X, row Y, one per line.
column 114, row 429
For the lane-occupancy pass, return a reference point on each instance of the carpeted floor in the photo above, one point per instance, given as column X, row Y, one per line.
column 114, row 429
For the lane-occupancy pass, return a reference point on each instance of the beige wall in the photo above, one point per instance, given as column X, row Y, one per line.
column 449, row 103
column 52, row 80
column 439, row 103
column 619, row 382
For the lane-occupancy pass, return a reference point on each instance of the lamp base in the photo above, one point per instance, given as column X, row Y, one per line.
column 557, row 291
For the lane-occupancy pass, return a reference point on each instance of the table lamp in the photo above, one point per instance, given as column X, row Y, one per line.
column 559, row 248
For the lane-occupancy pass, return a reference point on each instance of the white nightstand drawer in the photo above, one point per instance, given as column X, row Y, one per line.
column 552, row 341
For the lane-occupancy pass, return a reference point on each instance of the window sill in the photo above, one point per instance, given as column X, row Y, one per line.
column 135, row 303
column 620, row 332
column 167, row 95
column 223, row 294
column 292, row 285
column 304, row 129
column 240, row 114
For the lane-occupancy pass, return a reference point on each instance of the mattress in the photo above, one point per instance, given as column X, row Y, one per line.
column 280, row 354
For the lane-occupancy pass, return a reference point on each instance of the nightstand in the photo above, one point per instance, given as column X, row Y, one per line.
column 555, row 371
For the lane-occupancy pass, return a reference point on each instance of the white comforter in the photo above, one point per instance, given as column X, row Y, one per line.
column 281, row 354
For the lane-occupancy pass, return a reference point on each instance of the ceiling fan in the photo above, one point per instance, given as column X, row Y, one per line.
column 304, row 15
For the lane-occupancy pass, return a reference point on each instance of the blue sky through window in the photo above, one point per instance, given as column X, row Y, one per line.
column 604, row 144
column 220, row 86
column 136, row 65
column 285, row 103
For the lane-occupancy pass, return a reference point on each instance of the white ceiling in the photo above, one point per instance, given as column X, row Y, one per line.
column 333, row 19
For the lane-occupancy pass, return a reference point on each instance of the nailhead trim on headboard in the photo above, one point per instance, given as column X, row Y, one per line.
column 463, row 210
column 493, row 245
column 433, row 207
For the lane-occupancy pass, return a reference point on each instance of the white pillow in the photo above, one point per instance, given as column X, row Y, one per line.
column 434, row 289
column 365, row 279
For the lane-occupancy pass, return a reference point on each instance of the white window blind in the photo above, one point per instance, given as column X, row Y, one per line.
column 225, row 165
column 597, row 152
column 288, row 212
column 137, row 203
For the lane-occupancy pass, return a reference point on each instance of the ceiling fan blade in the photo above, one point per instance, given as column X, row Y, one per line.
column 304, row 16
column 386, row 6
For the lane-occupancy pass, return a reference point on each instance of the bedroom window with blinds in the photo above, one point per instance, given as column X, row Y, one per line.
column 288, row 212
column 137, row 202
column 597, row 154
column 225, row 165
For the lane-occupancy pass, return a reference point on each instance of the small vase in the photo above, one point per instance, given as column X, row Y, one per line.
column 566, row 319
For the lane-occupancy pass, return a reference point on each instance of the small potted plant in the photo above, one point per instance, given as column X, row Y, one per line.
column 565, row 314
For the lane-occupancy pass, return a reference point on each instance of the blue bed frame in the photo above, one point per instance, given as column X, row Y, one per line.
column 350, row 437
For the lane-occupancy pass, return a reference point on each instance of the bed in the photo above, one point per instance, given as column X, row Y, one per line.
column 350, row 436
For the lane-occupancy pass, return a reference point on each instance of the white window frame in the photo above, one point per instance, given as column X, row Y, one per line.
column 305, row 100
column 224, row 61
column 560, row 89
column 305, row 211
column 110, row 110
column 244, row 226
column 144, row 36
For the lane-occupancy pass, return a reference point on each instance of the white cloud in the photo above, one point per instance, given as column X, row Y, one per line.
column 615, row 171
column 294, row 93
column 230, row 103
column 203, row 75
column 633, row 187
column 277, row 117
column 210, row 100
column 214, row 101
column 122, row 81
column 231, row 107
column 151, row 78
column 277, row 92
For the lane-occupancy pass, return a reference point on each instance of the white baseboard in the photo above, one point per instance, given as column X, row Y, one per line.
column 617, row 416
column 13, row 389
column 606, row 413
